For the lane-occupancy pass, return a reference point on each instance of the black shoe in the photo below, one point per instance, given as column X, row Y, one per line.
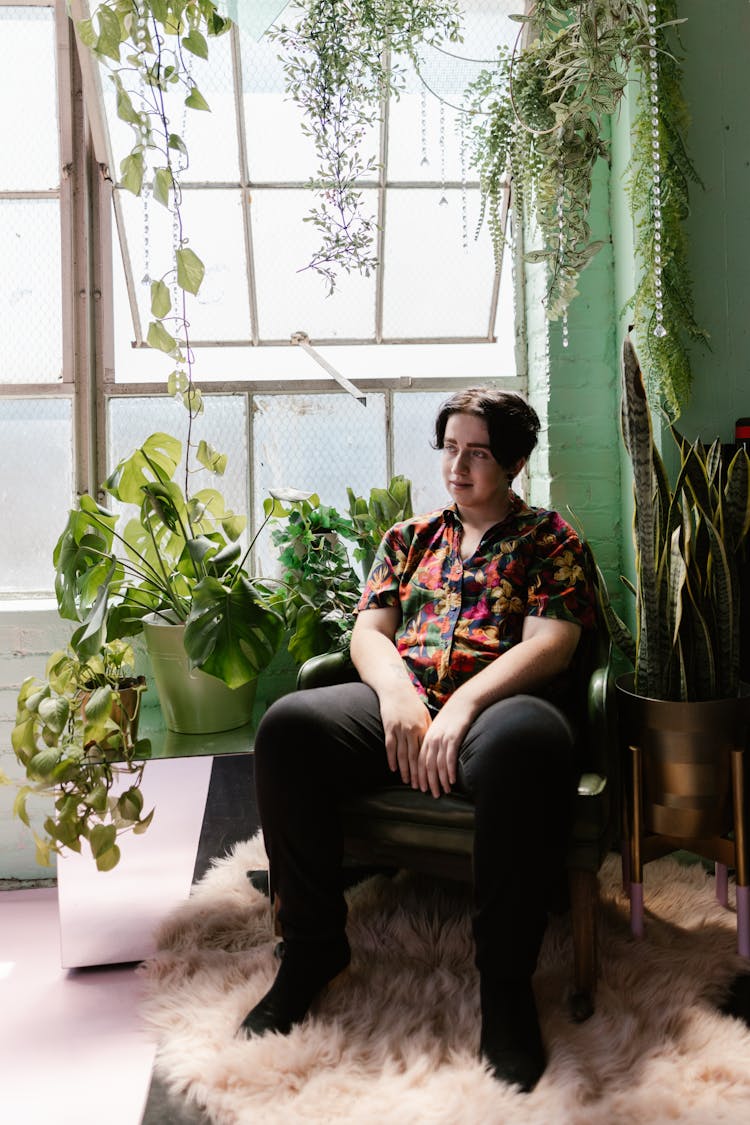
column 306, row 968
column 511, row 1039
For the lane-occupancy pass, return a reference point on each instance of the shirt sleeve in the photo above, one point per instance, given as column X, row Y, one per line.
column 559, row 583
column 381, row 589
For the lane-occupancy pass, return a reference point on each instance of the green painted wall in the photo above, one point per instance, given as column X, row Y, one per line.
column 716, row 39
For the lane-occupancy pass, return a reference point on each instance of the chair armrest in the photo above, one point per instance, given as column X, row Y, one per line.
column 327, row 669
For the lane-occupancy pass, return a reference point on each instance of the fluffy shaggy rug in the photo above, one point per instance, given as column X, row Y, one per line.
column 395, row 1038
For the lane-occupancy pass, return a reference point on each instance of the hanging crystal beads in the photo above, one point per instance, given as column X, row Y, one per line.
column 653, row 88
column 443, row 201
column 423, row 125
column 462, row 157
column 561, row 244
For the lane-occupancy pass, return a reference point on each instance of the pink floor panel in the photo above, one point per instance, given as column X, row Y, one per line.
column 72, row 1049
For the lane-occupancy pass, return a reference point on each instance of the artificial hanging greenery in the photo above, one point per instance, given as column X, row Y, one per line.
column 340, row 68
column 665, row 358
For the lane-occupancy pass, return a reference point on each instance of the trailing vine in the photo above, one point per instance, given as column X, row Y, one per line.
column 338, row 71
column 146, row 45
column 665, row 358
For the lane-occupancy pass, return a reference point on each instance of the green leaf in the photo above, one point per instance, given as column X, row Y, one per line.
column 98, row 706
column 159, row 338
column 130, row 804
column 161, row 302
column 230, row 632
column 131, row 172
column 143, row 824
column 43, row 763
column 102, row 839
column 125, row 109
column 192, row 400
column 156, row 459
column 87, row 33
column 163, row 184
column 108, row 42
column 54, row 713
column 19, row 805
column 108, row 859
column 190, row 270
column 196, row 44
column 210, row 459
column 196, row 100
column 176, row 142
column 177, row 383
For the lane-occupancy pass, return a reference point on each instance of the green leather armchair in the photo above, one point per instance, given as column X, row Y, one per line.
column 399, row 827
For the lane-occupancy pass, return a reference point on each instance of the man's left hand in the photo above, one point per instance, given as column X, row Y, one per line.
column 438, row 754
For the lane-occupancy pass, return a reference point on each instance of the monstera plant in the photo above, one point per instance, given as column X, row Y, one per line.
column 173, row 556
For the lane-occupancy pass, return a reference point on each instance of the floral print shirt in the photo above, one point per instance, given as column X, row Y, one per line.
column 458, row 615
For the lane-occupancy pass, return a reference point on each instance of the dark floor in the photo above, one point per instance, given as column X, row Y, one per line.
column 231, row 816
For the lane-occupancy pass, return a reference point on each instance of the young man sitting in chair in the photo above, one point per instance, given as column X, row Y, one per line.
column 466, row 627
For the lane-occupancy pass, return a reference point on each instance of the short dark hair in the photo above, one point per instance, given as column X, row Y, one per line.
column 511, row 423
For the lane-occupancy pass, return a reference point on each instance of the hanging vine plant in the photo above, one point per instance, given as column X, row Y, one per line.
column 338, row 71
column 146, row 45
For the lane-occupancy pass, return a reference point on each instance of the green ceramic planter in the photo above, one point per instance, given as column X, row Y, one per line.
column 192, row 702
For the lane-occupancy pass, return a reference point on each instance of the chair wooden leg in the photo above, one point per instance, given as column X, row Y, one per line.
column 584, row 905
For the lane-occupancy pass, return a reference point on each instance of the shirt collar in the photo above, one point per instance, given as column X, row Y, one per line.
column 518, row 509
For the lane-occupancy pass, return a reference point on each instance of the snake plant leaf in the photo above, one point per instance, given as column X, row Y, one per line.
column 230, row 632
column 723, row 576
column 697, row 477
column 737, row 500
column 677, row 577
column 700, row 669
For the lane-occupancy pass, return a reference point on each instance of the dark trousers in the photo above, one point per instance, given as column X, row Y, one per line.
column 516, row 765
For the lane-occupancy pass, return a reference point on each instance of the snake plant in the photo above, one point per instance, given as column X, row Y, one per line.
column 687, row 539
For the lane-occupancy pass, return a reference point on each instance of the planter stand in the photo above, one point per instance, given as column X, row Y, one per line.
column 685, row 789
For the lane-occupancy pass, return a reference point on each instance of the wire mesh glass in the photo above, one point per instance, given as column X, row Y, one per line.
column 435, row 286
column 30, row 291
column 292, row 298
column 414, row 414
column 213, row 217
column 317, row 443
column 28, row 97
column 36, row 489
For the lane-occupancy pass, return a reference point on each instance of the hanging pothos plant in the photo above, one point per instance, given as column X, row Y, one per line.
column 147, row 45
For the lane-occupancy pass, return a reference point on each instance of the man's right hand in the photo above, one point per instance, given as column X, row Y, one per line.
column 406, row 721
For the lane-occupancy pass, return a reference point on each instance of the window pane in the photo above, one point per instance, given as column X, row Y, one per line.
column 36, row 486
column 292, row 298
column 317, row 443
column 413, row 431
column 28, row 83
column 213, row 219
column 434, row 285
column 30, row 291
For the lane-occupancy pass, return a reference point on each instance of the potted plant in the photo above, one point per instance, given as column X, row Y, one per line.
column 76, row 737
column 683, row 713
column 175, row 570
column 321, row 588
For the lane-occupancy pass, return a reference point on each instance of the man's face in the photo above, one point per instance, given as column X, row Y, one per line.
column 471, row 474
